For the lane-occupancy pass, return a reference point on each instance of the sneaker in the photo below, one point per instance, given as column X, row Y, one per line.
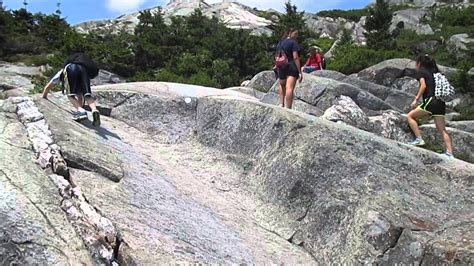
column 418, row 142
column 96, row 118
column 78, row 116
column 449, row 155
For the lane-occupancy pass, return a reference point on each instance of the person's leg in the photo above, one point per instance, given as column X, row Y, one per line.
column 80, row 98
column 91, row 102
column 74, row 101
column 441, row 127
column 412, row 117
column 290, row 87
column 282, row 91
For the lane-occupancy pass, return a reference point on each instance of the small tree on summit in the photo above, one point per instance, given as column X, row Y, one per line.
column 292, row 19
column 378, row 27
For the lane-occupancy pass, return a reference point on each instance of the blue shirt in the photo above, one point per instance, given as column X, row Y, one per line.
column 289, row 46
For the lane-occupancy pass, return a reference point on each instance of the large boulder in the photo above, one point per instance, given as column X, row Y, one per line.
column 347, row 111
column 467, row 126
column 344, row 195
column 321, row 92
column 406, row 84
column 331, row 74
column 411, row 19
column 298, row 105
column 17, row 76
column 106, row 77
column 249, row 91
column 392, row 125
column 263, row 81
column 459, row 44
column 386, row 72
column 463, row 141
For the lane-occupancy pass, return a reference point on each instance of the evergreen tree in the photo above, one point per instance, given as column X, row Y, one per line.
column 378, row 27
column 292, row 19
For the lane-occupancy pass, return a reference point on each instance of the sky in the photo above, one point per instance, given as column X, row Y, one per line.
column 77, row 11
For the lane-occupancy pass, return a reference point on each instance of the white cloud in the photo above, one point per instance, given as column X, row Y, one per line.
column 124, row 6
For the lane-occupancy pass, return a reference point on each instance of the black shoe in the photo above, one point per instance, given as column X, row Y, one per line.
column 96, row 118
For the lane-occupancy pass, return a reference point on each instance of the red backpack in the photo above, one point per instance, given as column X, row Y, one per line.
column 281, row 58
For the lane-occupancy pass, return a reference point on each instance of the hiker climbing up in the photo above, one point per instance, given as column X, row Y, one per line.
column 431, row 82
column 288, row 66
column 75, row 77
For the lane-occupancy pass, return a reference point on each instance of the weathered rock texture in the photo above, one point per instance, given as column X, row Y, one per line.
column 189, row 174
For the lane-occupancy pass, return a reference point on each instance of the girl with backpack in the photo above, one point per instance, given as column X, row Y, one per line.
column 431, row 105
column 288, row 66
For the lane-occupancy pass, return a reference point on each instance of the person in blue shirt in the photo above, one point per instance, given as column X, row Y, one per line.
column 291, row 72
column 75, row 80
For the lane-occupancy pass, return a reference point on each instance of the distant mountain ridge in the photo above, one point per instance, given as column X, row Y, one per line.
column 233, row 13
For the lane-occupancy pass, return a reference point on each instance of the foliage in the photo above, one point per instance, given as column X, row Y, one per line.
column 292, row 19
column 194, row 49
column 350, row 58
column 378, row 26
column 323, row 43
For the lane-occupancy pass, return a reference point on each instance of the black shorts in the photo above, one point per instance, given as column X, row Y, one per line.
column 433, row 106
column 76, row 81
column 288, row 70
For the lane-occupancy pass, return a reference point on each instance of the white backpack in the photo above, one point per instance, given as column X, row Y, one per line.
column 443, row 90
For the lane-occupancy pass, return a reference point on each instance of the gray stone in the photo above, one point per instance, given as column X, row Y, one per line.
column 347, row 111
column 330, row 74
column 320, row 194
column 321, row 92
column 386, row 72
column 106, row 77
column 463, row 142
column 249, row 91
column 460, row 42
column 263, row 81
column 411, row 19
column 407, row 84
column 17, row 76
column 467, row 126
column 33, row 228
column 298, row 105
column 392, row 125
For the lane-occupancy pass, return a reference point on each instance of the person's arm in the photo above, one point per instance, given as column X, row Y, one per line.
column 420, row 93
column 296, row 56
column 47, row 88
column 320, row 61
column 51, row 83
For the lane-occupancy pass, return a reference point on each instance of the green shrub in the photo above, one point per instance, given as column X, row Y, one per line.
column 323, row 43
column 350, row 58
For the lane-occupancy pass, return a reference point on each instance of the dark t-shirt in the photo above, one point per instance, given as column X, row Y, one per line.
column 430, row 83
column 289, row 46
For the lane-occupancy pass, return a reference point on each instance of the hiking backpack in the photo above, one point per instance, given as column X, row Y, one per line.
column 443, row 89
column 281, row 58
column 85, row 61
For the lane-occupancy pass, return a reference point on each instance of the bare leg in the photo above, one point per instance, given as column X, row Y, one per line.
column 75, row 102
column 290, row 87
column 412, row 117
column 282, row 91
column 91, row 102
column 441, row 127
column 80, row 98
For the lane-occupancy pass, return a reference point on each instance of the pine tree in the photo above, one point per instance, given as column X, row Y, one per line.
column 292, row 19
column 378, row 27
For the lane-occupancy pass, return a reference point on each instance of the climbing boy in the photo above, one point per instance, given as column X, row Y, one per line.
column 75, row 78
